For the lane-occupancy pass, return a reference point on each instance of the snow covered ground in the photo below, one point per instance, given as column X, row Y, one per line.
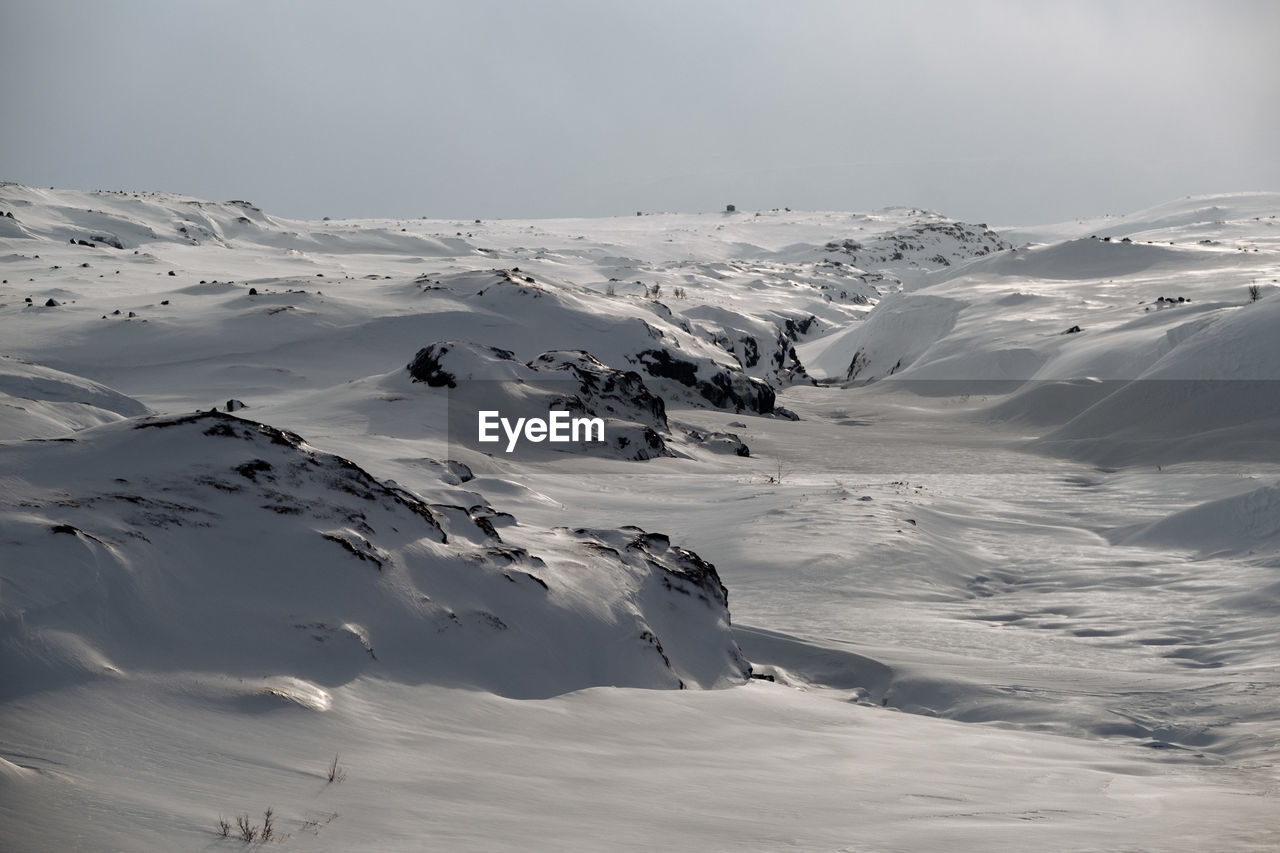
column 1001, row 571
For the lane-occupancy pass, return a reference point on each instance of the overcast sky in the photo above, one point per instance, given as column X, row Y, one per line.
column 1002, row 112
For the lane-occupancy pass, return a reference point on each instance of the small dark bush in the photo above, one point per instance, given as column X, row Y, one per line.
column 336, row 771
column 248, row 832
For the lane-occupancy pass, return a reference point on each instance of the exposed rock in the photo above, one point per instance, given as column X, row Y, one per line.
column 606, row 391
column 723, row 388
column 718, row 442
column 483, row 378
column 922, row 244
column 426, row 364
column 113, row 242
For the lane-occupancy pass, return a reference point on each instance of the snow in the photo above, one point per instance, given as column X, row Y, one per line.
column 1002, row 584
column 37, row 402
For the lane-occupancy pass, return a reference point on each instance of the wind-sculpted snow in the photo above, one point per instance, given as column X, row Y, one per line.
column 896, row 336
column 214, row 544
column 1216, row 388
column 1241, row 524
column 39, row 402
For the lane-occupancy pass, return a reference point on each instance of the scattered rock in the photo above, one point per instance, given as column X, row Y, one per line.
column 113, row 242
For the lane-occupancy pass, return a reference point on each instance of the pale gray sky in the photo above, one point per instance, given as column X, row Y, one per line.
column 993, row 111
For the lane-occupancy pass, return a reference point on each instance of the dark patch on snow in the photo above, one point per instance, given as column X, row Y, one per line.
column 539, row 581
column 425, row 366
column 605, row 391
column 251, row 470
column 660, row 364
column 650, row 638
column 362, row 553
column 486, row 618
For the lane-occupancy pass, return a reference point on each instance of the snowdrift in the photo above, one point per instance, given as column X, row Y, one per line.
column 1240, row 524
column 895, row 335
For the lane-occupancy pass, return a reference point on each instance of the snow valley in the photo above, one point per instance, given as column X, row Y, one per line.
column 867, row 531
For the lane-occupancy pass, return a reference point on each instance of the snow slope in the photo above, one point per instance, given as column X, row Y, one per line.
column 37, row 402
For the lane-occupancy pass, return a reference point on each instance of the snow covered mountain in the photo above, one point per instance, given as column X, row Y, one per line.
column 995, row 511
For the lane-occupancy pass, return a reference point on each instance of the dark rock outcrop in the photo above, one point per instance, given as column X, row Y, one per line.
column 723, row 388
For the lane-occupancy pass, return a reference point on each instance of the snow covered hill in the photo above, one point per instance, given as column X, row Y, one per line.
column 1093, row 334
column 211, row 544
column 995, row 511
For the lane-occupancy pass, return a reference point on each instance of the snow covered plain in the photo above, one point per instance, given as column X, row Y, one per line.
column 1002, row 586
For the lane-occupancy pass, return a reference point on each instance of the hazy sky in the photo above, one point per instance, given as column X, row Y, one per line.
column 1000, row 112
